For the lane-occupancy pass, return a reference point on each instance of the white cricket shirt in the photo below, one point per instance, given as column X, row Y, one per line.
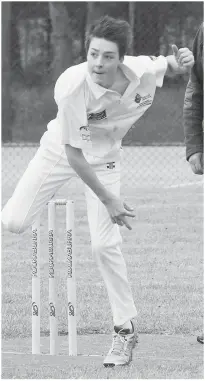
column 96, row 119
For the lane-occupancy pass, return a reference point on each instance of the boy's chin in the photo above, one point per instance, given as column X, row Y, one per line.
column 98, row 80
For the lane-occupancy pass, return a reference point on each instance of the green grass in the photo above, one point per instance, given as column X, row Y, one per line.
column 164, row 256
column 95, row 371
column 156, row 356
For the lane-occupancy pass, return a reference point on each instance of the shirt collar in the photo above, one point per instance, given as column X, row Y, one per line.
column 99, row 91
column 131, row 68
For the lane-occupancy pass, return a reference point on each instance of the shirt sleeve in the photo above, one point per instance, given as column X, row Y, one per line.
column 69, row 81
column 160, row 68
column 61, row 88
column 148, row 64
column 72, row 118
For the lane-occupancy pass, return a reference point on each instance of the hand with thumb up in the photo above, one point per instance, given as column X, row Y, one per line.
column 183, row 57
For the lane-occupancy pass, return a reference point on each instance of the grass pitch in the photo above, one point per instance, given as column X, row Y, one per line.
column 164, row 256
column 156, row 356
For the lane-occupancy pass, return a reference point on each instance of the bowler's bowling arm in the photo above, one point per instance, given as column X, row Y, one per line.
column 84, row 170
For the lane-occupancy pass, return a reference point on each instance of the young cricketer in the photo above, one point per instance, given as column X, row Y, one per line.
column 98, row 102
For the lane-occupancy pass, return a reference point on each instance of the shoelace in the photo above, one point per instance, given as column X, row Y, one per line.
column 118, row 343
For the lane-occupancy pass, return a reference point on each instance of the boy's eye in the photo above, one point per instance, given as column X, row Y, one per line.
column 108, row 57
column 94, row 54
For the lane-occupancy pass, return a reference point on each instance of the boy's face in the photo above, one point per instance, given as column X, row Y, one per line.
column 103, row 61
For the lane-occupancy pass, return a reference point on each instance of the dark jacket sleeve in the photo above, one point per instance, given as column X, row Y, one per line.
column 193, row 102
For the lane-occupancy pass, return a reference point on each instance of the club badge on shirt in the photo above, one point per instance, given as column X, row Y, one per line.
column 85, row 133
column 138, row 98
column 143, row 100
column 111, row 165
column 97, row 116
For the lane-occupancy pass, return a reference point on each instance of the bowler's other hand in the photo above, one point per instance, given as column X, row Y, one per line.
column 197, row 163
column 118, row 212
column 183, row 56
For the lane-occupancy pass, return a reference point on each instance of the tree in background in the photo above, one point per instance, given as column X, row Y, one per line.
column 94, row 11
column 62, row 38
column 152, row 24
column 16, row 66
column 41, row 39
column 145, row 19
column 149, row 26
column 6, row 73
column 132, row 24
column 78, row 17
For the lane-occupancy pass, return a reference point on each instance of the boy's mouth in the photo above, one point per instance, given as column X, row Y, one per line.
column 98, row 73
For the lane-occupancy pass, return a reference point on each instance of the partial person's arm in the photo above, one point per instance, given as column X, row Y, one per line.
column 193, row 108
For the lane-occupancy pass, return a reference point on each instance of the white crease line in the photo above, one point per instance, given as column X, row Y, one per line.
column 91, row 355
column 183, row 185
column 47, row 354
column 134, row 357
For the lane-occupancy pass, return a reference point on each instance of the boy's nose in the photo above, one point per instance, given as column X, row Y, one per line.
column 99, row 62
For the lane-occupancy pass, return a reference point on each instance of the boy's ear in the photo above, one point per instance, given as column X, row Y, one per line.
column 122, row 59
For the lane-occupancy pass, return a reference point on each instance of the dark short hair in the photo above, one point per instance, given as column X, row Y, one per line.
column 111, row 29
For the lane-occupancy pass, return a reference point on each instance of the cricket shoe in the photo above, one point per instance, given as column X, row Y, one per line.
column 123, row 343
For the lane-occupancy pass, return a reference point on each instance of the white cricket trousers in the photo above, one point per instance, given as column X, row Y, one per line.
column 46, row 173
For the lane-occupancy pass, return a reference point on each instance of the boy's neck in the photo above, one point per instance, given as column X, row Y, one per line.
column 121, row 82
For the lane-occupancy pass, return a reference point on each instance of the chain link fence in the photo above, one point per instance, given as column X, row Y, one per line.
column 154, row 152
column 143, row 167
